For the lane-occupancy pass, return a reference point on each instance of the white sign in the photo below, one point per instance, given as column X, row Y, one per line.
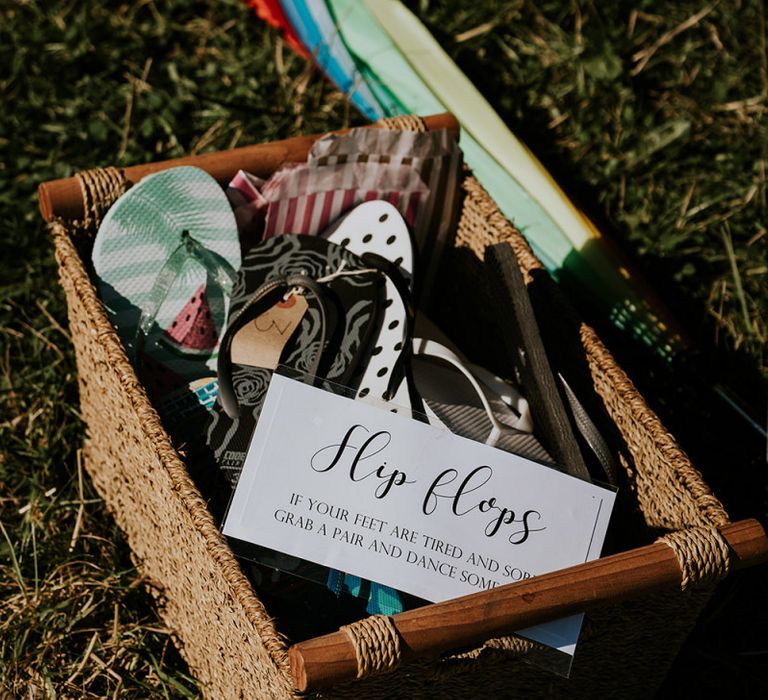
column 354, row 487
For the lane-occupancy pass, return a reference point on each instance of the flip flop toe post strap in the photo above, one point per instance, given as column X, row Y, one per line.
column 189, row 249
column 422, row 346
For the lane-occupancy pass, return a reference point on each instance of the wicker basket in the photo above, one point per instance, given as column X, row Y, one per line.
column 223, row 629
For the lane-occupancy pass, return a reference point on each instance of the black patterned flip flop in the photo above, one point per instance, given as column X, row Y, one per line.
column 344, row 299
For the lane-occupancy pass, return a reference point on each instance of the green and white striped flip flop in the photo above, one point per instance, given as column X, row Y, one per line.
column 165, row 256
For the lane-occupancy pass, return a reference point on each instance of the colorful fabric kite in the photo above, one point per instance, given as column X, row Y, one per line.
column 380, row 55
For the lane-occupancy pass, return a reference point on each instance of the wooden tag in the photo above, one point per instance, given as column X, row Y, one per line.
column 260, row 342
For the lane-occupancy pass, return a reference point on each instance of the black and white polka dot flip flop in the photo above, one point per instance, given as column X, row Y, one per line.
column 377, row 233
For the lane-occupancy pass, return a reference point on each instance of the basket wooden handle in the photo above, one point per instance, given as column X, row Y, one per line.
column 63, row 198
column 472, row 619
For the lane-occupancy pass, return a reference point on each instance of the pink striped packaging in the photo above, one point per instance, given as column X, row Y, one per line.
column 434, row 155
column 302, row 198
column 244, row 195
column 418, row 173
column 307, row 198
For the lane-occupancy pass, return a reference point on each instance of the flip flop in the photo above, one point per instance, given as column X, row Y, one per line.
column 469, row 400
column 376, row 228
column 165, row 257
column 344, row 300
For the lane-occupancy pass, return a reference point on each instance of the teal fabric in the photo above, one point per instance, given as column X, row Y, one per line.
column 382, row 600
column 313, row 25
column 389, row 69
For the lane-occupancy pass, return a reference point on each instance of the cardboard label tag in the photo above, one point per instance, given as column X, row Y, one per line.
column 260, row 343
column 409, row 505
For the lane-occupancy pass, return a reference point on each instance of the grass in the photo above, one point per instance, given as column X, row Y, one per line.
column 652, row 111
column 655, row 112
column 85, row 84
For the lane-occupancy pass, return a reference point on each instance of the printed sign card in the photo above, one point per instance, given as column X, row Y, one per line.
column 393, row 500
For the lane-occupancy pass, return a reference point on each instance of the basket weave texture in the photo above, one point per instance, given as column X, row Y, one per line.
column 222, row 628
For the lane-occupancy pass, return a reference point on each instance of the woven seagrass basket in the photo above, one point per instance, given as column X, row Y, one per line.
column 221, row 626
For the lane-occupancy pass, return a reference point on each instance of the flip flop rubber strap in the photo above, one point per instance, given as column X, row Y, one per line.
column 591, row 434
column 422, row 346
column 260, row 301
column 390, row 270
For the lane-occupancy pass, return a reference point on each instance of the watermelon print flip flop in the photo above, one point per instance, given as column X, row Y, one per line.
column 165, row 257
